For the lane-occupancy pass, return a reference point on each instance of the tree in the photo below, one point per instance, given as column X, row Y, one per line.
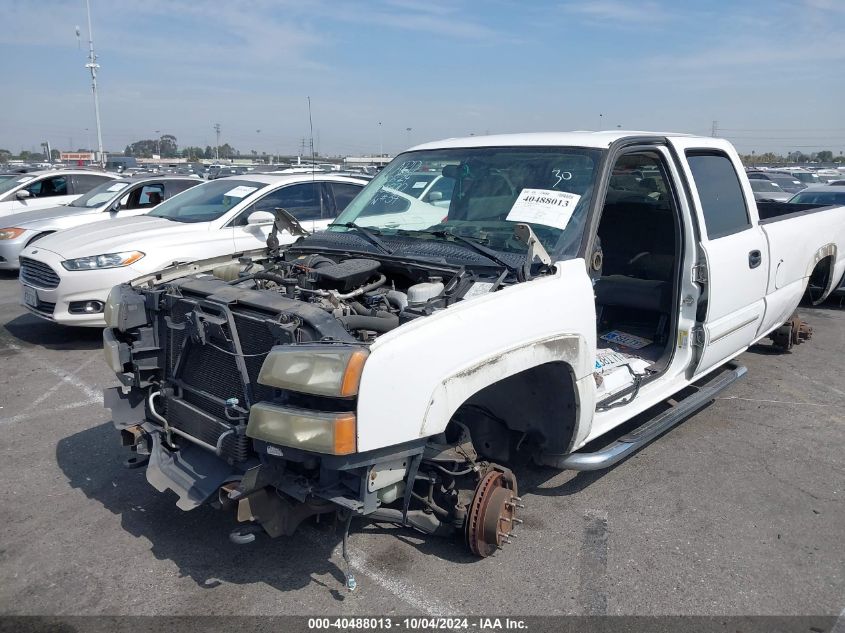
column 5, row 155
column 227, row 151
column 825, row 156
column 192, row 153
column 165, row 146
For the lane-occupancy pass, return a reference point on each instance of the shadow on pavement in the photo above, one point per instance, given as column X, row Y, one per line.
column 31, row 330
column 196, row 541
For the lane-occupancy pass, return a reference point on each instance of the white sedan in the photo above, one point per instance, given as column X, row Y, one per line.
column 113, row 200
column 42, row 189
column 66, row 277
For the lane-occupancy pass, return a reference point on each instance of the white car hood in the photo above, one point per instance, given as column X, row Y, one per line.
column 142, row 233
column 43, row 218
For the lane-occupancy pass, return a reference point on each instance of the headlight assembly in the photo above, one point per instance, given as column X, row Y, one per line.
column 332, row 433
column 322, row 370
column 11, row 233
column 109, row 260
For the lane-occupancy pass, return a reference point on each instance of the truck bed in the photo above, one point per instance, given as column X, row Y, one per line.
column 776, row 211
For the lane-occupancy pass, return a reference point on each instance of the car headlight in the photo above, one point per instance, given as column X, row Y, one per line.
column 11, row 233
column 109, row 260
column 322, row 369
column 319, row 431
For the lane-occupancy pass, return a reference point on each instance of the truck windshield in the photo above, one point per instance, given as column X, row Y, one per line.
column 481, row 193
column 206, row 202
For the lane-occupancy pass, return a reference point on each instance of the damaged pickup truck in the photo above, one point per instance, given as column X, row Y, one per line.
column 545, row 289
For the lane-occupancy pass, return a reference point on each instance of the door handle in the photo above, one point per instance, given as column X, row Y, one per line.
column 755, row 258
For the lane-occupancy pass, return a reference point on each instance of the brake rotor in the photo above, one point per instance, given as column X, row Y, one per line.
column 492, row 513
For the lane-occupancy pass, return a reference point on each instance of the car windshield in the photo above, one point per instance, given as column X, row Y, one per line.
column 15, row 181
column 808, row 178
column 206, row 202
column 819, row 197
column 764, row 185
column 100, row 195
column 481, row 194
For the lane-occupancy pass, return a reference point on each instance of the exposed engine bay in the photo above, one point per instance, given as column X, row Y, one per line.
column 240, row 390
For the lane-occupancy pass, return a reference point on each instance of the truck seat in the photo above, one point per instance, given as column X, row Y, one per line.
column 652, row 295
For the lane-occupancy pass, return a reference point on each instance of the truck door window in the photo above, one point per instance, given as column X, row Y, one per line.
column 722, row 201
column 146, row 196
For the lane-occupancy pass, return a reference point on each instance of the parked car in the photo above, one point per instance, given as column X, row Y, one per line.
column 112, row 200
column 222, row 172
column 836, row 183
column 41, row 189
column 393, row 373
column 807, row 177
column 66, row 277
column 768, row 190
column 820, row 195
column 785, row 181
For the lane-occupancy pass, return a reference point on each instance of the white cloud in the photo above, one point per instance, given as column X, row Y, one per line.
column 617, row 11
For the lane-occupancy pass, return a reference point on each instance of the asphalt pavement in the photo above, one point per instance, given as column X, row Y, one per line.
column 740, row 510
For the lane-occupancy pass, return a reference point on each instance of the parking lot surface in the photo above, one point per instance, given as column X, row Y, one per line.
column 739, row 510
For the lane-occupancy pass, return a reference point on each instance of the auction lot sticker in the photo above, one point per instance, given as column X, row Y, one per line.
column 544, row 206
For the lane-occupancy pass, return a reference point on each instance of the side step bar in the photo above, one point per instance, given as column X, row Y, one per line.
column 651, row 429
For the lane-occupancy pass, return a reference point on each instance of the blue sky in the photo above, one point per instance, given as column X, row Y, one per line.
column 771, row 73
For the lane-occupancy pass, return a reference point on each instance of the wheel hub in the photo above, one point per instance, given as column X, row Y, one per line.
column 492, row 514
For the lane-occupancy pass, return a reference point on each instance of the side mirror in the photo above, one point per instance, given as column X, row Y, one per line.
column 260, row 217
column 435, row 196
column 22, row 194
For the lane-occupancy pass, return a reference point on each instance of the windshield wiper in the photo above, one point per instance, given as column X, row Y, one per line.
column 370, row 234
column 474, row 244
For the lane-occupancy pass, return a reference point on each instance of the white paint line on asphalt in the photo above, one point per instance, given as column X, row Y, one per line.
column 20, row 417
column 412, row 596
column 70, row 379
column 55, row 387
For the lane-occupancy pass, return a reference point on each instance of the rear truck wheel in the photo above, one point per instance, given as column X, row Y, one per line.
column 492, row 514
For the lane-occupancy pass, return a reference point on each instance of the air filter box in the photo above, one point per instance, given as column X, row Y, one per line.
column 347, row 275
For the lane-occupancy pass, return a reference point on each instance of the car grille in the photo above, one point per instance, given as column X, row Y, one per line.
column 38, row 274
column 209, row 376
column 44, row 307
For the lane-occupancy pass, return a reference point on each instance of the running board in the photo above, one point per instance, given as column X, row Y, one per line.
column 651, row 429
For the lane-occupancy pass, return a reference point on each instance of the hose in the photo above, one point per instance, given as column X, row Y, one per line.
column 379, row 324
column 399, row 299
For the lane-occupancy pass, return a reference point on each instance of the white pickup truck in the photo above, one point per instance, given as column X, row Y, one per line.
column 572, row 282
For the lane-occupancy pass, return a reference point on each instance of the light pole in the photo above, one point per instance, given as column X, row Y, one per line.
column 601, row 118
column 217, row 147
column 158, row 143
column 408, row 130
column 380, row 141
column 92, row 65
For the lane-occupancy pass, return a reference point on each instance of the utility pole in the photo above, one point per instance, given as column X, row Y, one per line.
column 311, row 128
column 217, row 147
column 92, row 65
column 714, row 130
